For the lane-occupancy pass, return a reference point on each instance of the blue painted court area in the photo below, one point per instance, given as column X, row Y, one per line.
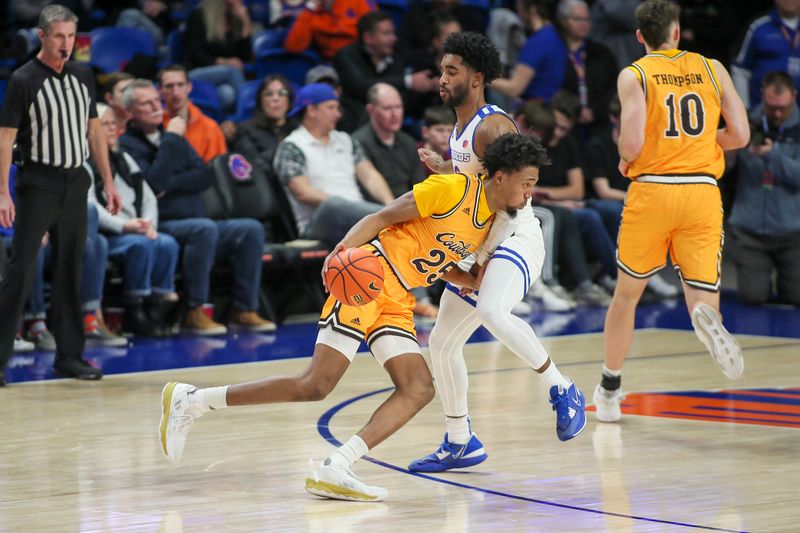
column 297, row 340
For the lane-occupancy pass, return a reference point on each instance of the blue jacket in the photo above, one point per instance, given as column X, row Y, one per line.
column 174, row 171
column 766, row 48
column 770, row 210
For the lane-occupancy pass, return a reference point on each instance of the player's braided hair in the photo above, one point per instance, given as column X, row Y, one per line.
column 512, row 152
column 477, row 52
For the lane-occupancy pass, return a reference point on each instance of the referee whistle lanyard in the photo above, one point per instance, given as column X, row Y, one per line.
column 578, row 59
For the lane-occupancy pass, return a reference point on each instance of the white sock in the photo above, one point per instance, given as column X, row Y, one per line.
column 612, row 373
column 212, row 398
column 552, row 376
column 457, row 429
column 349, row 452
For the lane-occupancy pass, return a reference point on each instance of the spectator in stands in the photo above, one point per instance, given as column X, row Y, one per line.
column 606, row 188
column 765, row 219
column 321, row 169
column 354, row 113
column 112, row 95
column 770, row 45
column 327, row 26
column 392, row 151
column 591, row 71
column 437, row 126
column 178, row 177
column 148, row 257
column 283, row 12
column 614, row 25
column 372, row 59
column 542, row 63
column 420, row 13
column 217, row 45
column 202, row 132
column 569, row 248
column 152, row 16
column 258, row 138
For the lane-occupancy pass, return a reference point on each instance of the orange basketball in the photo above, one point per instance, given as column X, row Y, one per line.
column 355, row 276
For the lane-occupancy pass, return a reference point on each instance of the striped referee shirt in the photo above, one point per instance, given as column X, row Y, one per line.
column 51, row 111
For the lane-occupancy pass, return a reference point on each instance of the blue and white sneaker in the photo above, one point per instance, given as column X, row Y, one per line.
column 570, row 407
column 450, row 456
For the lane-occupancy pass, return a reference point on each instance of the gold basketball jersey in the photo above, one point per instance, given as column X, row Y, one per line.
column 683, row 110
column 454, row 222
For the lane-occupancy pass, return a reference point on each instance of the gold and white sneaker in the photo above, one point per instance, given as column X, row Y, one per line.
column 178, row 412
column 607, row 404
column 723, row 347
column 331, row 481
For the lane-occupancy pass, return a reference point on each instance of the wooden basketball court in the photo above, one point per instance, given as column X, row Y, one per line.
column 85, row 457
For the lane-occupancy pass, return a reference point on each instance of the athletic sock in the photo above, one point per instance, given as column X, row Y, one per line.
column 458, row 429
column 611, row 380
column 348, row 453
column 212, row 398
column 552, row 376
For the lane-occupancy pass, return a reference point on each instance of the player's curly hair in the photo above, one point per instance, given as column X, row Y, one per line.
column 477, row 52
column 512, row 152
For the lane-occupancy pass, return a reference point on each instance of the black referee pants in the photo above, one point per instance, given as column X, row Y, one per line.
column 54, row 199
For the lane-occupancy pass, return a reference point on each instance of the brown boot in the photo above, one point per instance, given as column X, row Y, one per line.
column 249, row 321
column 197, row 322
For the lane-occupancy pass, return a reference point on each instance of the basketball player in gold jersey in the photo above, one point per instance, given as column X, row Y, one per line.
column 671, row 149
column 421, row 236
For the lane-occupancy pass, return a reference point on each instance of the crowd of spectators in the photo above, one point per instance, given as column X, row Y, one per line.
column 342, row 143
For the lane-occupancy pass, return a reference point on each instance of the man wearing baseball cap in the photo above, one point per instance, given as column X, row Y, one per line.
column 321, row 169
column 354, row 113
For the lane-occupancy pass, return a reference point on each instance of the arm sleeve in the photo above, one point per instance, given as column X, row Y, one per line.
column 439, row 193
column 16, row 103
column 502, row 228
column 289, row 162
column 359, row 153
column 785, row 169
column 533, row 52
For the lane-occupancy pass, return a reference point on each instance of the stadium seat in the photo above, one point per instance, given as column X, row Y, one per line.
column 267, row 40
column 175, row 45
column 113, row 47
column 204, row 95
column 251, row 192
column 259, row 11
column 279, row 61
column 396, row 8
column 246, row 100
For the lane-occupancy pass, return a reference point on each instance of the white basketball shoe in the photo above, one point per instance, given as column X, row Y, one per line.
column 723, row 347
column 178, row 411
column 332, row 481
column 607, row 404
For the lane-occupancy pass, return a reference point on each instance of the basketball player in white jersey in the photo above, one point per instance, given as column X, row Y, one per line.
column 515, row 254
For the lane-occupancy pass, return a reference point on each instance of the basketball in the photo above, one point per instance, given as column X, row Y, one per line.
column 355, row 276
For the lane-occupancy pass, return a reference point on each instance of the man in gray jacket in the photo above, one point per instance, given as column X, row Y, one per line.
column 764, row 226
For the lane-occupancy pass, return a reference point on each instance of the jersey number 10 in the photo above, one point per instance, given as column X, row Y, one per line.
column 690, row 115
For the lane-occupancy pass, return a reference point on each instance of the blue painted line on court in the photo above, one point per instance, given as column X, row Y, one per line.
column 749, row 411
column 728, row 418
column 323, row 426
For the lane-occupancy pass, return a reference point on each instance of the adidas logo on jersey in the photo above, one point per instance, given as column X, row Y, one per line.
column 465, row 210
column 356, row 321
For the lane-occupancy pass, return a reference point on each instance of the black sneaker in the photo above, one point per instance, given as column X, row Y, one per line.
column 76, row 368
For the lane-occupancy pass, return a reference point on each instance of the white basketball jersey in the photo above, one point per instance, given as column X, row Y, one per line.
column 464, row 159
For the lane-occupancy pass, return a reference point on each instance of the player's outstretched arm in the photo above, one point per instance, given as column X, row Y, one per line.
column 632, row 116
column 736, row 133
column 400, row 210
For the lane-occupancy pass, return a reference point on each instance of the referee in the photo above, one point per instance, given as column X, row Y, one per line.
column 49, row 110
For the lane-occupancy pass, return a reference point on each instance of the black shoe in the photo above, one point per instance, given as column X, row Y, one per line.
column 137, row 322
column 76, row 368
column 2, row 379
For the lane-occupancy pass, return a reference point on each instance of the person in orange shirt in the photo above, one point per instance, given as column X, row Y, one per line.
column 327, row 24
column 202, row 132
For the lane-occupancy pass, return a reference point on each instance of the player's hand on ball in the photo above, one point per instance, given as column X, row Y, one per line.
column 336, row 249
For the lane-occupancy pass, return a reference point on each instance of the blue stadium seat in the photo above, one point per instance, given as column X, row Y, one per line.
column 279, row 61
column 113, row 47
column 204, row 95
column 246, row 100
column 259, row 11
column 175, row 45
column 396, row 8
column 267, row 40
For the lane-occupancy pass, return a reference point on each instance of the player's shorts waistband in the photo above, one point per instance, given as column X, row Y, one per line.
column 676, row 180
